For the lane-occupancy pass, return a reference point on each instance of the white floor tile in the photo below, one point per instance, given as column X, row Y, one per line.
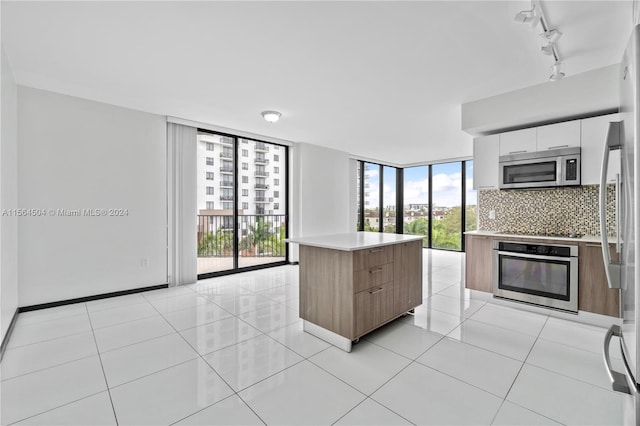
column 456, row 291
column 93, row 410
column 366, row 367
column 220, row 334
column 37, row 356
column 134, row 361
column 220, row 289
column 371, row 413
column 169, row 395
column 565, row 400
column 310, row 395
column 196, row 315
column 495, row 339
column 231, row 411
column 243, row 304
column 49, row 314
column 427, row 397
column 511, row 414
column 512, row 319
column 580, row 336
column 433, row 320
column 167, row 292
column 257, row 282
column 431, row 287
column 168, row 304
column 250, row 361
column 271, row 317
column 120, row 335
column 121, row 314
column 573, row 362
column 404, row 339
column 459, row 307
column 281, row 294
column 43, row 390
column 48, row 330
column 115, row 302
column 487, row 370
column 293, row 337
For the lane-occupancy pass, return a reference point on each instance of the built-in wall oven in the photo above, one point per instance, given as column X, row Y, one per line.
column 542, row 274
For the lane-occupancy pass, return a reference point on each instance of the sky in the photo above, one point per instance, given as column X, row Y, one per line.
column 447, row 183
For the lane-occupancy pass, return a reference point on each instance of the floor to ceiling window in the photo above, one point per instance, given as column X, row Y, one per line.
column 435, row 201
column 242, row 204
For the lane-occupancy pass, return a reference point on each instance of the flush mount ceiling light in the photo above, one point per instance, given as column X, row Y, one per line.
column 271, row 116
column 556, row 72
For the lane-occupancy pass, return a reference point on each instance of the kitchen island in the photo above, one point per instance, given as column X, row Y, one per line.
column 351, row 284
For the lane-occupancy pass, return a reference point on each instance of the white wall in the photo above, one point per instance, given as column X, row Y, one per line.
column 8, row 196
column 321, row 189
column 591, row 93
column 79, row 154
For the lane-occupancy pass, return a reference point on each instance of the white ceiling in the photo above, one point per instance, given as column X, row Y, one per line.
column 381, row 80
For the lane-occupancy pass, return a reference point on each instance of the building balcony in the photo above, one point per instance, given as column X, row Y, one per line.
column 226, row 154
column 261, row 160
column 259, row 173
column 228, row 170
column 226, row 197
column 261, row 186
column 263, row 199
column 226, row 184
column 261, row 147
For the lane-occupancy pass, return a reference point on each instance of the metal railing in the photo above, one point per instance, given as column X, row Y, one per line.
column 260, row 147
column 226, row 154
column 260, row 173
column 260, row 235
column 261, row 160
column 261, row 186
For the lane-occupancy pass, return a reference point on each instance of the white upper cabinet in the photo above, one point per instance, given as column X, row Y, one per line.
column 557, row 136
column 518, row 142
column 594, row 134
column 485, row 162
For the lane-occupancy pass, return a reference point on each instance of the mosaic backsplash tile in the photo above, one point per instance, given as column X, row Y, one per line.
column 553, row 210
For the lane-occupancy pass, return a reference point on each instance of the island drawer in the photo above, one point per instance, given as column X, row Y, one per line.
column 372, row 276
column 374, row 256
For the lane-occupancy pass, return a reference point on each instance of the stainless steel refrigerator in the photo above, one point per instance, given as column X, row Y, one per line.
column 623, row 136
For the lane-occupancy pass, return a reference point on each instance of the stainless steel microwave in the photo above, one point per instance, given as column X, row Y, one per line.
column 554, row 167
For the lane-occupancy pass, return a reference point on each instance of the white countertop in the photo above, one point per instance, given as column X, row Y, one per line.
column 353, row 240
column 584, row 239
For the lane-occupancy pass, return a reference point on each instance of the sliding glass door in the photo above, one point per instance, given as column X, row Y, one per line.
column 242, row 193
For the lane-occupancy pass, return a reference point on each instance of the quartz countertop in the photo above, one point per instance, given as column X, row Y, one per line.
column 353, row 240
column 584, row 238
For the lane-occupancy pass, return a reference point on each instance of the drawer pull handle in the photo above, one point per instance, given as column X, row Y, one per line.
column 378, row 290
column 375, row 271
column 518, row 152
column 558, row 146
column 375, row 250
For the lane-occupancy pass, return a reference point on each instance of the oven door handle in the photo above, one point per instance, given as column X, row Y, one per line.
column 612, row 269
column 535, row 256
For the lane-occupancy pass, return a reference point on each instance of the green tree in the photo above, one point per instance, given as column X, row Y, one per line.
column 218, row 244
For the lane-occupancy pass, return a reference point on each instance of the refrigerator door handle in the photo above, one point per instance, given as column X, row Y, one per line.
column 618, row 380
column 612, row 269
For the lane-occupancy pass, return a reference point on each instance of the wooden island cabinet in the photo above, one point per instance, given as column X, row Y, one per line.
column 593, row 293
column 351, row 284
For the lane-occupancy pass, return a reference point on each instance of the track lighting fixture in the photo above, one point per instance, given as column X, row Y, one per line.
column 556, row 71
column 551, row 36
column 529, row 17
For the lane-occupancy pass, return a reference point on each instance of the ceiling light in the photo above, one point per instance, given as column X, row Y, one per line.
column 556, row 72
column 271, row 116
column 529, row 17
column 547, row 49
column 551, row 36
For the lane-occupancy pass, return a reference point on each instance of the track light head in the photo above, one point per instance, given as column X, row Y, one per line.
column 556, row 71
column 551, row 36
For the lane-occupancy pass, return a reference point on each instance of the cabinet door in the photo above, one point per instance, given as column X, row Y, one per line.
column 479, row 263
column 593, row 293
column 594, row 135
column 373, row 307
column 407, row 281
column 557, row 136
column 486, row 150
column 518, row 142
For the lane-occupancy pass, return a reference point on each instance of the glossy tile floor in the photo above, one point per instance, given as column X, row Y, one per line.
column 231, row 350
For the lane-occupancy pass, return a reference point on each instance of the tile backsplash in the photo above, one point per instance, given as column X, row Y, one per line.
column 553, row 210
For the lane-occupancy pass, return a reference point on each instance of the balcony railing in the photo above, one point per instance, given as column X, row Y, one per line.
column 226, row 169
column 261, row 147
column 259, row 160
column 263, row 237
column 226, row 184
column 226, row 154
column 261, row 186
column 263, row 200
column 226, row 197
column 260, row 173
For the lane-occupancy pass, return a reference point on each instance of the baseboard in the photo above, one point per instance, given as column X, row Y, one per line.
column 7, row 336
column 90, row 298
column 294, row 263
